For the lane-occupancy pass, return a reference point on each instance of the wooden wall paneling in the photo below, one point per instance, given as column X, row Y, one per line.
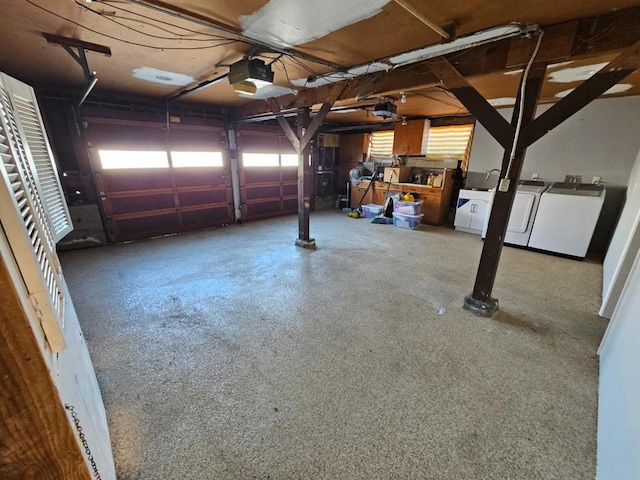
column 37, row 441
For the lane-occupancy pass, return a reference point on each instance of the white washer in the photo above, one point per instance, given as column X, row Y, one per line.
column 523, row 212
column 566, row 218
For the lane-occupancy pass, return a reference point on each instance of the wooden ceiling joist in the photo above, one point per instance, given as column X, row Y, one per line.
column 562, row 42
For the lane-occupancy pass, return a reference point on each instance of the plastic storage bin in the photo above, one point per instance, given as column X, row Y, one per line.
column 407, row 208
column 371, row 210
column 410, row 222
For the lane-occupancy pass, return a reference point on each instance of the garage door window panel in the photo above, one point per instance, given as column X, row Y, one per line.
column 132, row 159
column 196, row 159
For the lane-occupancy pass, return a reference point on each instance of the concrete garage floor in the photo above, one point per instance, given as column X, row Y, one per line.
column 232, row 354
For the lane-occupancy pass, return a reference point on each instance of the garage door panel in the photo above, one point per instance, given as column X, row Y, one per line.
column 142, row 203
column 290, row 174
column 262, row 175
column 202, row 197
column 200, row 177
column 141, row 227
column 254, row 193
column 290, row 190
column 206, row 216
column 266, row 208
column 135, row 180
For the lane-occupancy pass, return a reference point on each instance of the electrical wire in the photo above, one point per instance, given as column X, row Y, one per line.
column 521, row 112
column 180, row 37
column 163, row 22
column 436, row 99
column 286, row 73
column 228, row 42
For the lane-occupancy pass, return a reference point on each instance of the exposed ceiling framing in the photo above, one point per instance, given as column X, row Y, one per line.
column 169, row 51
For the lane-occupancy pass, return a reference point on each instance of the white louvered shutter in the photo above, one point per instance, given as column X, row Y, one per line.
column 24, row 220
column 38, row 150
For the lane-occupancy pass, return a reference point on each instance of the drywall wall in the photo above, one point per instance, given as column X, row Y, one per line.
column 624, row 246
column 619, row 393
column 600, row 140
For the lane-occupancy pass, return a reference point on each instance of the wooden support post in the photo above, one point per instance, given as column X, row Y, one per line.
column 301, row 142
column 480, row 300
column 304, row 185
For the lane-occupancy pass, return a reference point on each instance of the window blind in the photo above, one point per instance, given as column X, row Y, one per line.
column 381, row 144
column 450, row 142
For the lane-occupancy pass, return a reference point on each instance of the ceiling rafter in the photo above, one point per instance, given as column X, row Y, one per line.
column 562, row 42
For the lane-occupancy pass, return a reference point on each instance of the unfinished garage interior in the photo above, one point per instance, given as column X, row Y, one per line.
column 295, row 239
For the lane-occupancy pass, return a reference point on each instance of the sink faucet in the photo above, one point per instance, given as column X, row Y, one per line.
column 489, row 172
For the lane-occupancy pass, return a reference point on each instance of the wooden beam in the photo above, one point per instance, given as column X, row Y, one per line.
column 300, row 143
column 432, row 25
column 74, row 42
column 557, row 45
column 480, row 300
column 620, row 67
column 501, row 56
column 475, row 103
column 288, row 131
column 394, row 80
column 315, row 124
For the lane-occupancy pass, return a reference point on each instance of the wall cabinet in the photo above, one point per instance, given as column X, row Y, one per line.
column 411, row 139
column 472, row 210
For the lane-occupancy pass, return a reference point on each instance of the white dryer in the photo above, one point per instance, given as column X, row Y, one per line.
column 523, row 212
column 567, row 217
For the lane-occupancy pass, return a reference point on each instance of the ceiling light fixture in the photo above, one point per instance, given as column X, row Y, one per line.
column 403, row 97
column 468, row 41
column 404, row 120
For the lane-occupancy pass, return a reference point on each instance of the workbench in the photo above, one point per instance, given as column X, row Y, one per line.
column 436, row 200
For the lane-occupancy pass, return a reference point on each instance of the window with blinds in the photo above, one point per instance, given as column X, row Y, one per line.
column 381, row 145
column 451, row 142
column 25, row 220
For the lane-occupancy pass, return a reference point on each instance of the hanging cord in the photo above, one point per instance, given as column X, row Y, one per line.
column 525, row 75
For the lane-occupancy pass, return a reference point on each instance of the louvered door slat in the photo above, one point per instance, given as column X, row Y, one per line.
column 40, row 153
column 24, row 220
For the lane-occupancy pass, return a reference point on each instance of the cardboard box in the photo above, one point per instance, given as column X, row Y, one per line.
column 397, row 174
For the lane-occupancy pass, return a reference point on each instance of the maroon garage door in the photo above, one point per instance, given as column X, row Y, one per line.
column 268, row 174
column 152, row 181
